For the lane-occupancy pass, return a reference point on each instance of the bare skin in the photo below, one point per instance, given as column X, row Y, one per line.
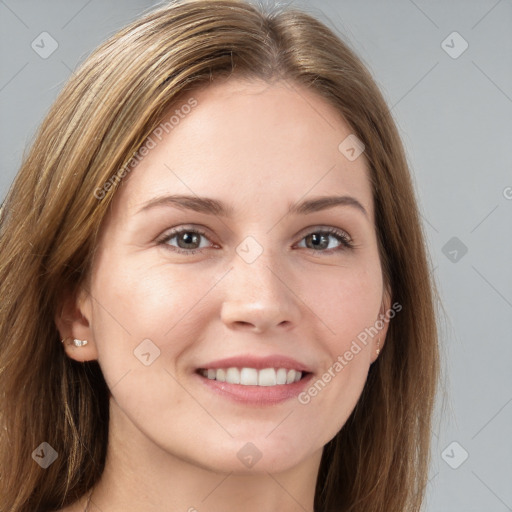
column 174, row 441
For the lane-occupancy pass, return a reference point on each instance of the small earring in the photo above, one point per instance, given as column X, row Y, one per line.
column 76, row 342
column 378, row 347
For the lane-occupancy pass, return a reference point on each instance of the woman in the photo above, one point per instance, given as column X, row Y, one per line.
column 215, row 287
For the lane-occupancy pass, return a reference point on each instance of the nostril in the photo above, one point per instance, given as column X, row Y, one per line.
column 243, row 324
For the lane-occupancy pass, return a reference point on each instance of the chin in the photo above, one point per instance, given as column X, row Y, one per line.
column 256, row 454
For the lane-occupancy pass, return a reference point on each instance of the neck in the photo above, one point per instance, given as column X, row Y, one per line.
column 139, row 475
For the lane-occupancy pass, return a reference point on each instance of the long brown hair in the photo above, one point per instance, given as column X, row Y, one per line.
column 52, row 214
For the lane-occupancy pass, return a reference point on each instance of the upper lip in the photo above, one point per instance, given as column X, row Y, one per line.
column 259, row 363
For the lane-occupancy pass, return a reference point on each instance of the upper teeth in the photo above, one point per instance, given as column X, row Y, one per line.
column 253, row 377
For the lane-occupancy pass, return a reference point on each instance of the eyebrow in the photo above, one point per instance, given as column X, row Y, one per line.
column 215, row 207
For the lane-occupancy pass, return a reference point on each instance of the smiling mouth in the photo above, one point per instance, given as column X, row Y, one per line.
column 253, row 377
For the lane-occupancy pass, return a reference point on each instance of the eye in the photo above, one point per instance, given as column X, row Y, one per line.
column 190, row 241
column 326, row 240
column 186, row 240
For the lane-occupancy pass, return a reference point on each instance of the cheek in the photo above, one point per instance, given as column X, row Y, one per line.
column 347, row 301
column 134, row 304
column 150, row 298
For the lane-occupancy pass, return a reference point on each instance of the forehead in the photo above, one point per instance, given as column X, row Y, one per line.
column 249, row 141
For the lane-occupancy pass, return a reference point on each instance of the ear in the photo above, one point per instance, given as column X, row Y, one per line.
column 73, row 320
column 382, row 322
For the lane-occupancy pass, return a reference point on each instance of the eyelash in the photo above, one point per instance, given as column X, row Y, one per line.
column 343, row 238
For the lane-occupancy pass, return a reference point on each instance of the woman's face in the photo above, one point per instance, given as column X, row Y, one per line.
column 221, row 251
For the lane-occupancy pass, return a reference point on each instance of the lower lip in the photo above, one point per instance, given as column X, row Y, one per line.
column 256, row 395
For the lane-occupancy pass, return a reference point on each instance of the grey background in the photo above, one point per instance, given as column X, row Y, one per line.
column 455, row 117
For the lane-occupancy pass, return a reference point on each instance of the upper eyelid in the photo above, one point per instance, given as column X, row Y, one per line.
column 167, row 235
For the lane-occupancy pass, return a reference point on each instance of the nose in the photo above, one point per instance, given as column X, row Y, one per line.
column 259, row 298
